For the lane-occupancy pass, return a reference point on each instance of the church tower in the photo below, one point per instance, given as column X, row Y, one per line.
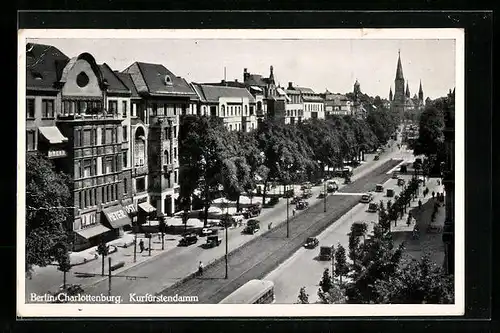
column 390, row 94
column 399, row 100
column 421, row 94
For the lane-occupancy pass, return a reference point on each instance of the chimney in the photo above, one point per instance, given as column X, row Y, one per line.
column 290, row 85
column 246, row 75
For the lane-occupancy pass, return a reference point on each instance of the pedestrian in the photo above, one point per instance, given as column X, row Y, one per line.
column 419, row 204
column 439, row 182
column 433, row 194
column 269, row 225
column 141, row 245
column 293, row 212
column 200, row 268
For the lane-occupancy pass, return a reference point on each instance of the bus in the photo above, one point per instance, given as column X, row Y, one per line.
column 252, row 292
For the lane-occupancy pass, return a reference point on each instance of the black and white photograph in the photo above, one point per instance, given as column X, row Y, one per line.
column 312, row 172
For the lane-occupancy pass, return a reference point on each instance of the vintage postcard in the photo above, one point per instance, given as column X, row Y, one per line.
column 196, row 173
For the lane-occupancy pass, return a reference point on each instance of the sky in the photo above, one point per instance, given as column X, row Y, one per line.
column 332, row 64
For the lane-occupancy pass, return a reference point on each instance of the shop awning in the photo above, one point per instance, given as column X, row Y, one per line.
column 129, row 207
column 96, row 230
column 147, row 207
column 52, row 134
column 116, row 216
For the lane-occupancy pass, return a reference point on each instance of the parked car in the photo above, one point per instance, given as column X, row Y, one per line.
column 395, row 175
column 252, row 211
column 295, row 200
column 307, row 193
column 252, row 227
column 366, row 198
column 332, row 186
column 311, row 243
column 376, row 158
column 213, row 240
column 306, row 185
column 390, row 192
column 401, row 182
column 379, row 188
column 188, row 239
column 372, row 207
column 326, row 252
column 322, row 194
column 301, row 205
column 208, row 231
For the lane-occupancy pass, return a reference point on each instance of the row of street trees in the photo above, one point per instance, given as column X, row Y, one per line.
column 214, row 159
column 380, row 272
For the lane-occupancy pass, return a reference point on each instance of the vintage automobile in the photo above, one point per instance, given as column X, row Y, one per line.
column 379, row 188
column 372, row 207
column 295, row 200
column 252, row 227
column 311, row 243
column 376, row 158
column 208, row 231
column 213, row 240
column 401, row 182
column 366, row 198
column 306, row 185
column 188, row 239
column 395, row 175
column 347, row 180
column 252, row 211
column 301, row 205
column 390, row 192
column 326, row 252
column 332, row 186
column 306, row 193
column 322, row 194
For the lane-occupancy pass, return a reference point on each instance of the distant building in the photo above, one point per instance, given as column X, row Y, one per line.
column 336, row 104
column 358, row 109
column 402, row 103
column 235, row 106
column 313, row 105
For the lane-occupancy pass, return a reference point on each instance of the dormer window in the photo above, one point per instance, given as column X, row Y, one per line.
column 168, row 80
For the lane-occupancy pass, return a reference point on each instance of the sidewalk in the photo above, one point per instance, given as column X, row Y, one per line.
column 426, row 241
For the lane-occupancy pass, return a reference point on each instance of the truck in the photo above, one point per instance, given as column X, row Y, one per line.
column 213, row 240
column 326, row 252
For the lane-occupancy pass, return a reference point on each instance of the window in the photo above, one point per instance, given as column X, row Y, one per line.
column 154, row 109
column 113, row 106
column 246, row 110
column 86, row 168
column 125, row 188
column 175, row 177
column 30, row 108
column 125, row 158
column 175, row 131
column 125, row 133
column 251, row 110
column 166, row 158
column 81, row 107
column 108, row 135
column 134, row 110
column 86, row 137
column 140, row 184
column 30, row 140
column 47, row 108
column 230, row 127
column 124, row 109
column 175, row 153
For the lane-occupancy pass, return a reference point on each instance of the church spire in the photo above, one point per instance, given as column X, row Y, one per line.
column 271, row 74
column 399, row 70
column 390, row 94
column 407, row 90
column 420, row 92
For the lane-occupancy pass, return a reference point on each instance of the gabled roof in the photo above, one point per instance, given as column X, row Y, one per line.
column 212, row 93
column 155, row 76
column 304, row 90
column 44, row 66
column 115, row 85
column 127, row 80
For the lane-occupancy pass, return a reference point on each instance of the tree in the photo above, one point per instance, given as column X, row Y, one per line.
column 64, row 263
column 303, row 296
column 335, row 295
column 48, row 209
column 341, row 267
column 416, row 282
column 430, row 141
column 326, row 281
column 103, row 251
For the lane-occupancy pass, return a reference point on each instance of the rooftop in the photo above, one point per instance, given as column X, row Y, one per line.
column 44, row 66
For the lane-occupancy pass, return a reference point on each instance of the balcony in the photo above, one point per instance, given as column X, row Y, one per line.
column 163, row 120
column 56, row 153
column 88, row 117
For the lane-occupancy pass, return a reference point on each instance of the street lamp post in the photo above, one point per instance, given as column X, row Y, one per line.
column 135, row 245
column 324, row 197
column 225, row 225
column 287, row 215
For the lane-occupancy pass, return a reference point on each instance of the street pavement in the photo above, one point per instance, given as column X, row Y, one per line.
column 166, row 267
column 261, row 255
column 287, row 277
